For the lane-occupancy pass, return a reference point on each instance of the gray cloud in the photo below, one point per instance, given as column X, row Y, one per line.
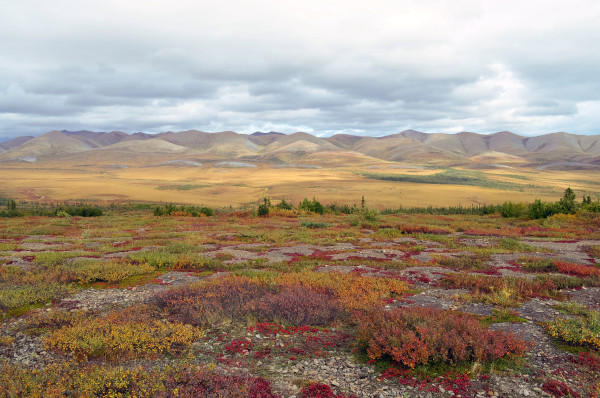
column 529, row 67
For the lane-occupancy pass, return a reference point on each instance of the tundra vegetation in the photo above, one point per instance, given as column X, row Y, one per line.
column 311, row 300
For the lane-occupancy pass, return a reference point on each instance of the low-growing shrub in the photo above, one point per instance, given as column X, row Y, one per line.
column 570, row 282
column 207, row 302
column 125, row 334
column 298, row 305
column 164, row 259
column 92, row 270
column 79, row 211
column 353, row 291
column 5, row 341
column 533, row 264
column 182, row 381
column 46, row 321
column 514, row 245
column 505, row 291
column 462, row 262
column 559, row 389
column 576, row 269
column 313, row 224
column 589, row 360
column 239, row 297
column 501, row 315
column 192, row 211
column 423, row 229
column 422, row 335
column 579, row 331
column 12, row 297
column 317, row 390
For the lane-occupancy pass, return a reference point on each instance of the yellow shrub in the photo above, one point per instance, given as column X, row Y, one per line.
column 114, row 337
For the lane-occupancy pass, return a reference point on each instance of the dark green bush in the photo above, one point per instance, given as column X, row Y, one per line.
column 313, row 206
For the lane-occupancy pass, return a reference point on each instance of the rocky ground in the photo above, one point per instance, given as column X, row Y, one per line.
column 342, row 370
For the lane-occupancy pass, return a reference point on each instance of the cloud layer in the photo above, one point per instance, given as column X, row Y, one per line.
column 324, row 67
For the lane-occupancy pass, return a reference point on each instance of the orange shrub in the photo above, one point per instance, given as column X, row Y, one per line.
column 354, row 291
column 576, row 269
column 199, row 304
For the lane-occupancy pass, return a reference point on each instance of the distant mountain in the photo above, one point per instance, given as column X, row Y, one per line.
column 301, row 148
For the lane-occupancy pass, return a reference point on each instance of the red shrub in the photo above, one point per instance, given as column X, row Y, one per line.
column 559, row 389
column 317, row 390
column 241, row 346
column 592, row 361
column 423, row 229
column 413, row 336
column 201, row 383
column 458, row 383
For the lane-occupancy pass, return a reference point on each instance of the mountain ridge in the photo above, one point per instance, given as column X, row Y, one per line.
column 406, row 146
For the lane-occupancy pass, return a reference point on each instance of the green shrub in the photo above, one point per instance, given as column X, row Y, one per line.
column 510, row 209
column 313, row 206
column 263, row 210
column 539, row 209
column 18, row 296
column 313, row 224
column 462, row 262
column 79, row 211
column 284, row 205
column 172, row 210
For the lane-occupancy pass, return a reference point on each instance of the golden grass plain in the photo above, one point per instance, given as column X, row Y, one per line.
column 222, row 187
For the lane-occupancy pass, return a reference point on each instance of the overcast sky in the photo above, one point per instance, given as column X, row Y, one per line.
column 324, row 67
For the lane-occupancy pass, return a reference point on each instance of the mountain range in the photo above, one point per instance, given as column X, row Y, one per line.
column 503, row 148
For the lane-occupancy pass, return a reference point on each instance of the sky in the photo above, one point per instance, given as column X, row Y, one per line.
column 324, row 67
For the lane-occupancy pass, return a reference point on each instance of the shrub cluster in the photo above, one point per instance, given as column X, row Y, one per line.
column 579, row 331
column 298, row 305
column 505, row 291
column 313, row 206
column 353, row 291
column 12, row 297
column 79, row 211
column 121, row 335
column 559, row 389
column 549, row 265
column 239, row 297
column 538, row 209
column 192, row 211
column 317, row 390
column 421, row 335
column 183, row 381
column 462, row 262
column 207, row 302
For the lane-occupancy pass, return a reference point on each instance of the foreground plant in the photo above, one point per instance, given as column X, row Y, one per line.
column 504, row 291
column 182, row 380
column 122, row 335
column 581, row 331
column 424, row 335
